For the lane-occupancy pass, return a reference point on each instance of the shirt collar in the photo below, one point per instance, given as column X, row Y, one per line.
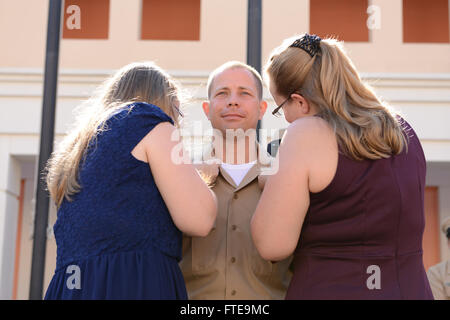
column 216, row 169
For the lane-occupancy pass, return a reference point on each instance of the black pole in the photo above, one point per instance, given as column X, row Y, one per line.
column 46, row 148
column 254, row 31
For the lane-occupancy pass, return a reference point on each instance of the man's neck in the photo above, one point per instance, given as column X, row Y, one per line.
column 237, row 150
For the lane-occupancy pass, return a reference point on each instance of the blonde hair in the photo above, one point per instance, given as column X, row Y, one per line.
column 144, row 82
column 236, row 65
column 365, row 127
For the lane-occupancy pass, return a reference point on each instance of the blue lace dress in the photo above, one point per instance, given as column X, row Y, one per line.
column 116, row 239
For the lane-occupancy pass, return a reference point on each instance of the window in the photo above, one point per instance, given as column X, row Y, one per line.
column 170, row 20
column 425, row 21
column 86, row 19
column 343, row 19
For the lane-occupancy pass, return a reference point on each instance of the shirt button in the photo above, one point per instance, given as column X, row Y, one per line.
column 235, row 196
column 233, row 227
column 233, row 260
column 233, row 292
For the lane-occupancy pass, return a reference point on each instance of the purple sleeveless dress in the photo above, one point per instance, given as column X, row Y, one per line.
column 362, row 235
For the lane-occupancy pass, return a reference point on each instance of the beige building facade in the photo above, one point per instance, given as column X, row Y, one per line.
column 413, row 77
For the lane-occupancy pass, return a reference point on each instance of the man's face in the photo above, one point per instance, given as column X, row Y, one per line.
column 234, row 102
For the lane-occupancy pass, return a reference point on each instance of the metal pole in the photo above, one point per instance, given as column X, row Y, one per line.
column 46, row 148
column 254, row 31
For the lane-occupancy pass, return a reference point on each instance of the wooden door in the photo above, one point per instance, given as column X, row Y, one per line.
column 431, row 243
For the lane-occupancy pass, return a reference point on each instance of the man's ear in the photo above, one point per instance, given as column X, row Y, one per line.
column 262, row 109
column 205, row 106
column 302, row 102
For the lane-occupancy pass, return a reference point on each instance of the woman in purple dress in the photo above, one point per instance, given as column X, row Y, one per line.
column 348, row 198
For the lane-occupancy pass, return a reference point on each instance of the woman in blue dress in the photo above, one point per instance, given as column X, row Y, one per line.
column 124, row 195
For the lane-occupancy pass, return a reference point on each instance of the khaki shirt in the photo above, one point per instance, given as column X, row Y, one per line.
column 225, row 264
column 439, row 278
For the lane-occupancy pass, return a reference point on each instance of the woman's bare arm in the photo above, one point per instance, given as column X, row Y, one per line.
column 191, row 203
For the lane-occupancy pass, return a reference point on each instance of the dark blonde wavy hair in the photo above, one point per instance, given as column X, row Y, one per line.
column 144, row 82
column 365, row 127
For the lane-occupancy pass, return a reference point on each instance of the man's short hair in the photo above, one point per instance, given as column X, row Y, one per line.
column 236, row 65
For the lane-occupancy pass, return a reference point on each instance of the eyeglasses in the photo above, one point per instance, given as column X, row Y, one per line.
column 278, row 112
column 179, row 111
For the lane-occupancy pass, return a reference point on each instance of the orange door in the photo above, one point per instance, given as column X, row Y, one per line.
column 18, row 239
column 431, row 247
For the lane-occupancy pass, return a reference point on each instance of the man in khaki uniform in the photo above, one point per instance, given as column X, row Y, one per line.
column 439, row 275
column 225, row 264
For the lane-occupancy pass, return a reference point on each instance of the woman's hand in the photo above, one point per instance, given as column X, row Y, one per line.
column 208, row 172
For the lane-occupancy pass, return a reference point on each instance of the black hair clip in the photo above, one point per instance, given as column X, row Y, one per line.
column 309, row 43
